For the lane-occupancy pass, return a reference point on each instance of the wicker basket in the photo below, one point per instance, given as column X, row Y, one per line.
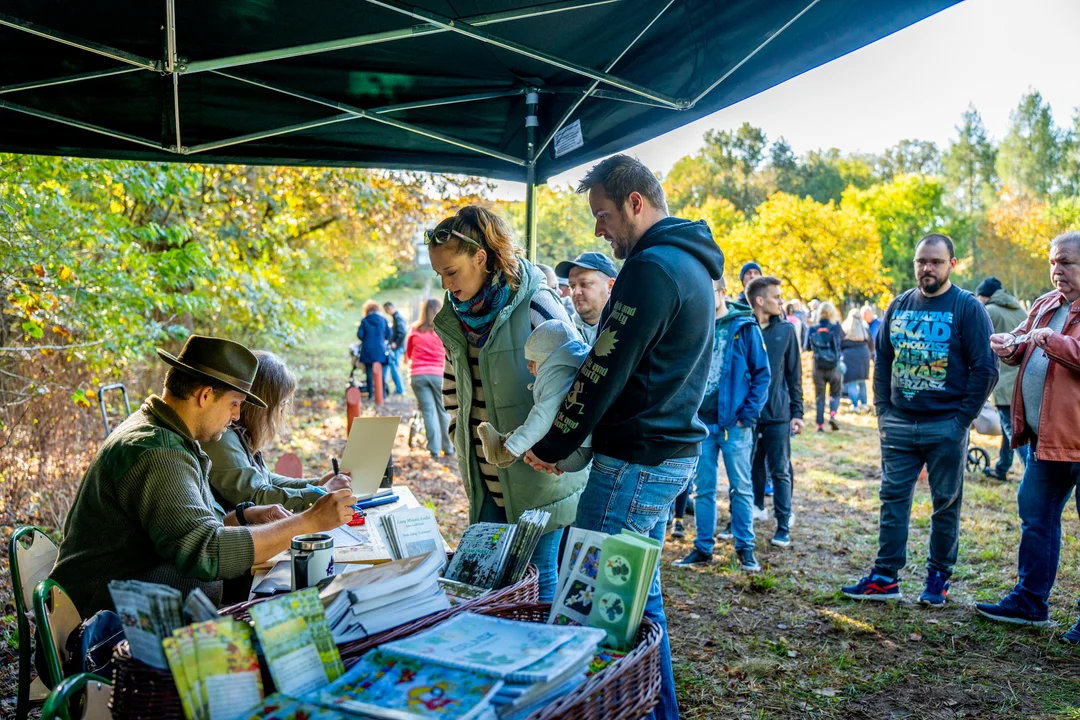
column 141, row 691
column 625, row 690
column 524, row 592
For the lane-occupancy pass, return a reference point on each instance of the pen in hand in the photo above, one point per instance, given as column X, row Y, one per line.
column 337, row 467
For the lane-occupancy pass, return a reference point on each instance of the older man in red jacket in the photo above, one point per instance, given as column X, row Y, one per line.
column 1046, row 415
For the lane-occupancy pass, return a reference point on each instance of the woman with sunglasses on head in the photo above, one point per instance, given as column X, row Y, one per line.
column 494, row 300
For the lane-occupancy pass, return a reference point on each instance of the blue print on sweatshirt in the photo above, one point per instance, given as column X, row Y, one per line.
column 921, row 341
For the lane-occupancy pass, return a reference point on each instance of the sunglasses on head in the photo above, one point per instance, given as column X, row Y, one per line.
column 442, row 236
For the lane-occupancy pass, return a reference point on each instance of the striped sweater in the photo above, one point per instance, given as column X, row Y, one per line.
column 543, row 306
column 144, row 511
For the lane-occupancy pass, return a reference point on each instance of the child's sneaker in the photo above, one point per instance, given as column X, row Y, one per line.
column 782, row 538
column 937, row 587
column 747, row 561
column 679, row 531
column 725, row 533
column 696, row 557
column 874, row 587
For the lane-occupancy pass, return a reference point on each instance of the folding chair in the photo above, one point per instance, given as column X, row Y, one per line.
column 57, row 617
column 30, row 564
column 87, row 690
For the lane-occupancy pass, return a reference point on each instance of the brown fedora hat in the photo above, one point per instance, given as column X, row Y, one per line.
column 224, row 362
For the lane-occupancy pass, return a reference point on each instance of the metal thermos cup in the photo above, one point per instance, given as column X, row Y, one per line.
column 312, row 560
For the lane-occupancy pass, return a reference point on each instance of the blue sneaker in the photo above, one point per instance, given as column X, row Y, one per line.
column 1007, row 611
column 782, row 538
column 937, row 587
column 874, row 587
column 768, row 488
column 696, row 557
column 1072, row 637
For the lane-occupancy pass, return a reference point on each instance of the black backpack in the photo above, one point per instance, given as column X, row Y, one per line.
column 826, row 356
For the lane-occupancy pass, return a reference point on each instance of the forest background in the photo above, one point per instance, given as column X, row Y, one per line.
column 102, row 261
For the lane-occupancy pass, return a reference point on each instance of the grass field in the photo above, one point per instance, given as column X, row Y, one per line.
column 784, row 643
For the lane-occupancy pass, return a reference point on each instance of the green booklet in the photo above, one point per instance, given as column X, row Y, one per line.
column 627, row 564
column 297, row 642
column 215, row 669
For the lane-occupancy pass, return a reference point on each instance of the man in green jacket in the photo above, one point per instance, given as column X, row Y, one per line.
column 144, row 510
column 1006, row 313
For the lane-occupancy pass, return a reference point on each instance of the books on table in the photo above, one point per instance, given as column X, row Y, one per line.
column 494, row 555
column 411, row 531
column 297, row 642
column 368, row 601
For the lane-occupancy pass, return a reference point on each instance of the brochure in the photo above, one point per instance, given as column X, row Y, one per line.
column 480, row 558
column 282, row 707
column 627, row 564
column 411, row 531
column 577, row 578
column 215, row 669
column 148, row 613
column 297, row 641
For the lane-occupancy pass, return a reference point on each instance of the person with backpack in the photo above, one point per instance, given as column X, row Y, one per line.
column 394, row 349
column 825, row 340
column 933, row 373
column 857, row 349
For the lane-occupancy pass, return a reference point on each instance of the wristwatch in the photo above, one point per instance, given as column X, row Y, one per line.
column 240, row 511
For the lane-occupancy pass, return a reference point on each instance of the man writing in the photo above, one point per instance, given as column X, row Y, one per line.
column 933, row 373
column 782, row 415
column 1005, row 314
column 592, row 275
column 639, row 389
column 144, row 509
column 1045, row 416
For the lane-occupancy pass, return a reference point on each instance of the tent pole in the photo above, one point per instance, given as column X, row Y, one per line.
column 532, row 125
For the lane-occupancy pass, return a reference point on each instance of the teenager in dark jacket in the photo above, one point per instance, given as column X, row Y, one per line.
column 783, row 412
column 737, row 387
column 639, row 390
column 857, row 349
column 374, row 334
column 395, row 348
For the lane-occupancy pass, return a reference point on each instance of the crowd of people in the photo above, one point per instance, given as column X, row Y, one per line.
column 609, row 410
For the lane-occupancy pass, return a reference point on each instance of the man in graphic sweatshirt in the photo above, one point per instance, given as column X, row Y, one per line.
column 639, row 390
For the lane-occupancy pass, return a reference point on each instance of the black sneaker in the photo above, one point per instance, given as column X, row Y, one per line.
column 690, row 505
column 833, row 424
column 696, row 557
column 782, row 538
column 995, row 474
column 1006, row 611
column 937, row 588
column 747, row 561
column 679, row 531
column 725, row 533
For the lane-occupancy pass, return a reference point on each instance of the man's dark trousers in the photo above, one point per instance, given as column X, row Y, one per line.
column 772, row 458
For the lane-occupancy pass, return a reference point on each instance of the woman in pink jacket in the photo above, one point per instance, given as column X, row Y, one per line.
column 426, row 356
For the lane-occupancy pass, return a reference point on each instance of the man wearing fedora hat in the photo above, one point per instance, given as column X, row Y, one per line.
column 144, row 509
column 592, row 276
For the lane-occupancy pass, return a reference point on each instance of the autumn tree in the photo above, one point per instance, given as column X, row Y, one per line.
column 564, row 224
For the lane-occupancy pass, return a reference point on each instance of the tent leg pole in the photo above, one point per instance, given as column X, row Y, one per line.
column 532, row 125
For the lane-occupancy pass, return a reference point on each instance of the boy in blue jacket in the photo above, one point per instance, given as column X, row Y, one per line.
column 735, row 393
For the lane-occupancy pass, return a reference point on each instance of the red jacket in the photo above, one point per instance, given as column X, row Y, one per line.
column 425, row 353
column 1059, row 417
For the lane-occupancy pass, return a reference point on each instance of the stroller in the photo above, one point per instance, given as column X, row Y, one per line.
column 987, row 423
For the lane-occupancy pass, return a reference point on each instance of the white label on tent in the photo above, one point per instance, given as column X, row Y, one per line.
column 568, row 139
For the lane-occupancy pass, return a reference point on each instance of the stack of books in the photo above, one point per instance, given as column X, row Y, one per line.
column 495, row 555
column 411, row 531
column 215, row 669
column 627, row 564
column 378, row 598
column 470, row 666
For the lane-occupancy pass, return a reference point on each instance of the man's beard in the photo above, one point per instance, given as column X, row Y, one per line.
column 929, row 284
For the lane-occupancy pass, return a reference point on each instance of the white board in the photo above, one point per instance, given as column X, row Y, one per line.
column 367, row 452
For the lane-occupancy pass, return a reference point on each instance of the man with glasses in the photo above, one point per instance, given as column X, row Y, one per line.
column 933, row 373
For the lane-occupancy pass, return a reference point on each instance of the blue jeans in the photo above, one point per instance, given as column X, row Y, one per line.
column 637, row 497
column 905, row 448
column 391, row 369
column 856, row 392
column 546, row 555
column 735, row 444
column 428, row 391
column 1006, row 454
column 1042, row 497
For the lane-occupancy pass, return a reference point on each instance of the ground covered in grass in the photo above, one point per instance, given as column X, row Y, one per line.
column 784, row 643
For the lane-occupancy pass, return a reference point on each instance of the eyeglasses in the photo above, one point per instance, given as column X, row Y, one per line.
column 441, row 237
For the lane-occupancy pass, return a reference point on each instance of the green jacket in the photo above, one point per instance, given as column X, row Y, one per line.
column 239, row 475
column 1006, row 313
column 505, row 377
column 144, row 511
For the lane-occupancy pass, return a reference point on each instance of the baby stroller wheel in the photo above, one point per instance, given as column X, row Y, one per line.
column 977, row 459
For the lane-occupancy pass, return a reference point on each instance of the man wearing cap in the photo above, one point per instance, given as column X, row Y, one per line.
column 144, row 509
column 747, row 274
column 1006, row 313
column 592, row 276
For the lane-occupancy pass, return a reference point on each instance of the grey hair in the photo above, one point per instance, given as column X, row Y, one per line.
column 1069, row 238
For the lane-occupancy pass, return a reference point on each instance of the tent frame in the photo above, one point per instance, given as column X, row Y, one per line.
column 174, row 64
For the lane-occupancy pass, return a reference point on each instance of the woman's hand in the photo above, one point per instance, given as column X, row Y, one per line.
column 262, row 514
column 331, row 482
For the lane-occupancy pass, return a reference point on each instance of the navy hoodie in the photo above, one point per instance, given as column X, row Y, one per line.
column 639, row 390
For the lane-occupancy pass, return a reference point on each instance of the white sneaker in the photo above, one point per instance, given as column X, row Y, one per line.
column 760, row 514
column 791, row 520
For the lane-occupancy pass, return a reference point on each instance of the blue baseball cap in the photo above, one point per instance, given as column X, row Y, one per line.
column 589, row 261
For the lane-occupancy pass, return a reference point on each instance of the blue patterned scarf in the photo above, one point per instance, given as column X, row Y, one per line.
column 477, row 314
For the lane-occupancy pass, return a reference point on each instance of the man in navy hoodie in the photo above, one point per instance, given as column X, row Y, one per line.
column 639, row 390
column 736, row 391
